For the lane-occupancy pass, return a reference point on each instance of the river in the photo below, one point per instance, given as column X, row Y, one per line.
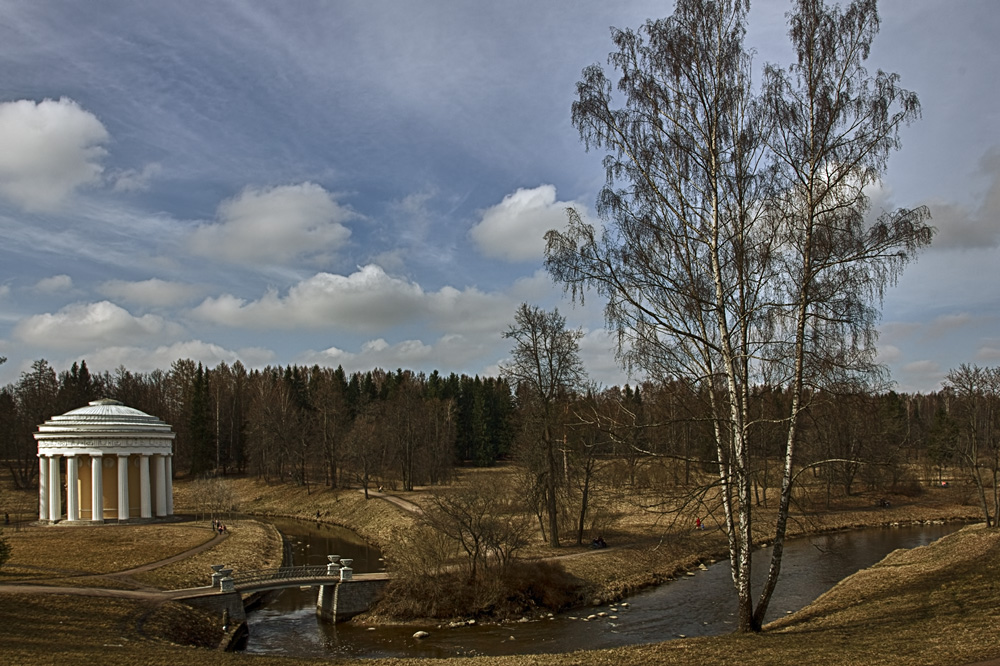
column 699, row 605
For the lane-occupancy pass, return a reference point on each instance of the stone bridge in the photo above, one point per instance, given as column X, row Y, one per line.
column 342, row 594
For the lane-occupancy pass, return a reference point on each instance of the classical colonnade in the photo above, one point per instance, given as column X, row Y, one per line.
column 103, row 487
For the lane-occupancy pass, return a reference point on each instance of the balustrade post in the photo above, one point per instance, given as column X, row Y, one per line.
column 223, row 574
column 346, row 572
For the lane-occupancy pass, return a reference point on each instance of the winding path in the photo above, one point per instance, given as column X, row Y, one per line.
column 143, row 593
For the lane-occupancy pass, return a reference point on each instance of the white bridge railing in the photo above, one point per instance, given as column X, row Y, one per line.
column 338, row 569
column 248, row 578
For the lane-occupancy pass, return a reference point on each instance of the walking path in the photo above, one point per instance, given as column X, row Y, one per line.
column 401, row 503
column 143, row 592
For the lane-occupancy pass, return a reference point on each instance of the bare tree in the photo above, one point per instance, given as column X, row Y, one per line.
column 545, row 368
column 487, row 522
column 736, row 252
column 216, row 497
column 976, row 439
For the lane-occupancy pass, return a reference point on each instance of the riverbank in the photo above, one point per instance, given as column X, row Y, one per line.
column 645, row 549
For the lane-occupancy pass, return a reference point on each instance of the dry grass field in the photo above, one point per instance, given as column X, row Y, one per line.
column 932, row 605
column 249, row 545
column 48, row 555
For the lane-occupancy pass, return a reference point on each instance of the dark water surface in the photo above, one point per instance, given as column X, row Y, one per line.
column 699, row 605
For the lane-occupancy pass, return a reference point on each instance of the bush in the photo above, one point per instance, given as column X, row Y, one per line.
column 907, row 484
column 522, row 588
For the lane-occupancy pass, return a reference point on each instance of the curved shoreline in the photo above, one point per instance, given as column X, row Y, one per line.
column 636, row 561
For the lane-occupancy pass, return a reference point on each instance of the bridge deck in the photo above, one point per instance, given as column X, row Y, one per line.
column 296, row 577
column 277, row 579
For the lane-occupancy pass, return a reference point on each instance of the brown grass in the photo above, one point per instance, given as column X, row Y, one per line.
column 250, row 545
column 43, row 553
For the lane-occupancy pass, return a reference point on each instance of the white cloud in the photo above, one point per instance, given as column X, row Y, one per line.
column 151, row 293
column 960, row 227
column 145, row 359
column 450, row 353
column 367, row 300
column 514, row 229
column 889, row 354
column 50, row 149
column 597, row 351
column 56, row 283
column 949, row 323
column 132, row 180
column 274, row 226
column 85, row 324
column 922, row 375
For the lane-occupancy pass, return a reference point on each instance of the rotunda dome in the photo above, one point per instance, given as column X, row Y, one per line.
column 107, row 425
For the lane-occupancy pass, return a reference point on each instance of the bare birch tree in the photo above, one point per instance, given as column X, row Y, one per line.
column 736, row 251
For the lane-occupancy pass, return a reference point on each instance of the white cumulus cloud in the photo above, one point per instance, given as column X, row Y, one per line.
column 367, row 300
column 514, row 229
column 50, row 148
column 274, row 226
column 85, row 324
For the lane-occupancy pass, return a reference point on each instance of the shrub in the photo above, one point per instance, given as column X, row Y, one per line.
column 522, row 588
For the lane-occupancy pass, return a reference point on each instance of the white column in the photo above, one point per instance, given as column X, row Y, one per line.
column 170, row 485
column 144, row 493
column 43, row 488
column 55, row 489
column 96, row 488
column 72, row 488
column 160, row 475
column 123, row 487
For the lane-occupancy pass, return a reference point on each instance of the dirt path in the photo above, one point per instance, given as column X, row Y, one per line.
column 143, row 592
column 401, row 503
column 211, row 543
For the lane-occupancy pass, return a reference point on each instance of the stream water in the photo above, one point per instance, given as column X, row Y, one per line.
column 699, row 605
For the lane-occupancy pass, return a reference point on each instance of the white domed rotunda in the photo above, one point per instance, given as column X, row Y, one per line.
column 118, row 465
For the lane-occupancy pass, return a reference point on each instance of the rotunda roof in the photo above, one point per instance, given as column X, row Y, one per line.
column 104, row 423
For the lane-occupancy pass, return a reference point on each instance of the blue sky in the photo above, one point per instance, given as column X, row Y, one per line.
column 366, row 183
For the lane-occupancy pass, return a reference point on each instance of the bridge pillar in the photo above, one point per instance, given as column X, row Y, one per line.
column 344, row 599
column 326, row 603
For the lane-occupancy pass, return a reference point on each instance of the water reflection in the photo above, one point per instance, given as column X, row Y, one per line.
column 697, row 605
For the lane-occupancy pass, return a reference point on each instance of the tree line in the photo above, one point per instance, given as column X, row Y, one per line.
column 402, row 429
column 282, row 424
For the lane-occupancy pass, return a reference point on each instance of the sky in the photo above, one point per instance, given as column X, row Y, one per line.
column 366, row 183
